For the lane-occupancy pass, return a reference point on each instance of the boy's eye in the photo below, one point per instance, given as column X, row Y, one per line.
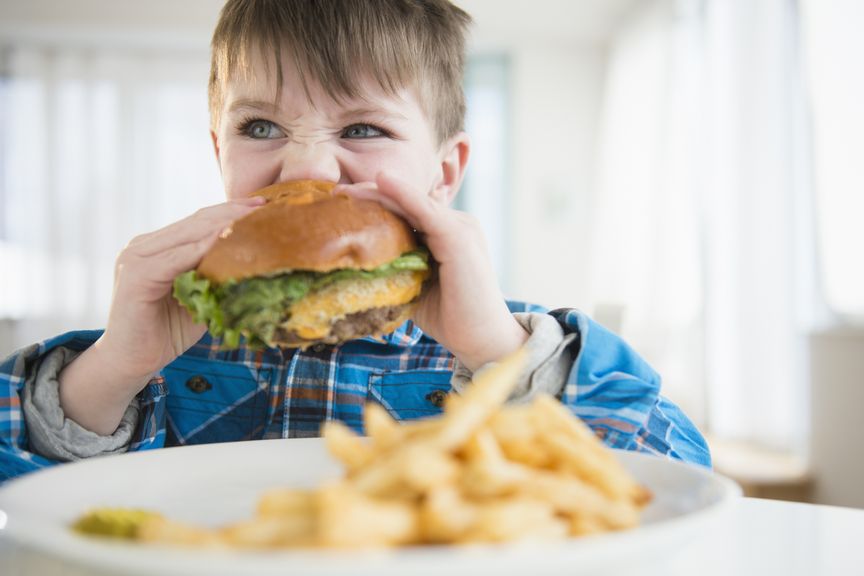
column 363, row 131
column 261, row 130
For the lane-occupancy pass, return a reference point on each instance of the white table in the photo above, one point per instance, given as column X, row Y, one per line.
column 757, row 537
column 767, row 537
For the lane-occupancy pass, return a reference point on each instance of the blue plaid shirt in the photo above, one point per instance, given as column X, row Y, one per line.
column 212, row 395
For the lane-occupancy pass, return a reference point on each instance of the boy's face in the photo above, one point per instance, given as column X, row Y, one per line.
column 259, row 143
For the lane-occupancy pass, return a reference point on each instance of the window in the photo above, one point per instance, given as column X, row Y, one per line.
column 485, row 192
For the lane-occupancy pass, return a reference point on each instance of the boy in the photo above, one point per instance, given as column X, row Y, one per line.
column 366, row 93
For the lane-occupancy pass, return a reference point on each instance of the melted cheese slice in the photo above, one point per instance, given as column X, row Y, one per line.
column 313, row 315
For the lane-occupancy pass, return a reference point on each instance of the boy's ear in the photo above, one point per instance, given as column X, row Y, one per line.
column 215, row 140
column 454, row 161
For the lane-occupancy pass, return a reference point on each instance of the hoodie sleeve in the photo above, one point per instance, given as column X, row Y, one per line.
column 617, row 393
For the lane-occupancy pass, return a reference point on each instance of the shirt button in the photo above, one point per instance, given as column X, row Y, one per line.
column 198, row 384
column 437, row 397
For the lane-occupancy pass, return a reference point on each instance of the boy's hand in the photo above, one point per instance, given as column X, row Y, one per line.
column 146, row 327
column 464, row 310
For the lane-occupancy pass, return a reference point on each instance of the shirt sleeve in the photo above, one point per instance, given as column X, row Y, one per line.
column 24, row 450
column 617, row 393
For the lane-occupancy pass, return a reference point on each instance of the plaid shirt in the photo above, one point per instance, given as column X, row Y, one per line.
column 212, row 395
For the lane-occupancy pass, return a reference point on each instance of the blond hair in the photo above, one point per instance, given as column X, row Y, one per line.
column 398, row 43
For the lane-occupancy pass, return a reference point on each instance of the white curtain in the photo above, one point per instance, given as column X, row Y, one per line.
column 98, row 143
column 703, row 230
column 833, row 45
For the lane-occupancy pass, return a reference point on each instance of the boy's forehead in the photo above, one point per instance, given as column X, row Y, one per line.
column 258, row 82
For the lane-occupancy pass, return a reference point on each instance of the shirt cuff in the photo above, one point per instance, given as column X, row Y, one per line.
column 52, row 434
column 550, row 357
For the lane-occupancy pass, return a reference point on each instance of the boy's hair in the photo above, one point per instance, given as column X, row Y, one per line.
column 398, row 43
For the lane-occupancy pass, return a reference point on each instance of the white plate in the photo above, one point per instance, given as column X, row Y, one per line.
column 220, row 483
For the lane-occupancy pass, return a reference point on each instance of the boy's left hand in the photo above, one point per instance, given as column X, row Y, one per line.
column 464, row 309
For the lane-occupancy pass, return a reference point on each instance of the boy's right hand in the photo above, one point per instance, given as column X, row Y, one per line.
column 147, row 328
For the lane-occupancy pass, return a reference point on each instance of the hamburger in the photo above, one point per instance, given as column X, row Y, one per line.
column 307, row 267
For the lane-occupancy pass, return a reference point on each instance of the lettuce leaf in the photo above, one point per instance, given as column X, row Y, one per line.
column 253, row 308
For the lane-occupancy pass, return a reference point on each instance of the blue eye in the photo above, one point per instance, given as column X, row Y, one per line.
column 363, row 131
column 261, row 130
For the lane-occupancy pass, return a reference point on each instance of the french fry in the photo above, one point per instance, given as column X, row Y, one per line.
column 422, row 428
column 516, row 519
column 160, row 530
column 287, row 502
column 487, row 473
column 408, row 470
column 515, row 430
column 288, row 530
column 383, row 431
column 585, row 526
column 463, row 416
column 572, row 497
column 482, row 447
column 550, row 417
column 350, row 519
column 577, row 450
column 445, row 515
column 346, row 446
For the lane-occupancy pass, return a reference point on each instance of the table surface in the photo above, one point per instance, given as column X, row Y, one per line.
column 755, row 537
column 767, row 537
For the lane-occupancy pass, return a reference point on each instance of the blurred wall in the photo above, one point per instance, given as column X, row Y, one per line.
column 557, row 95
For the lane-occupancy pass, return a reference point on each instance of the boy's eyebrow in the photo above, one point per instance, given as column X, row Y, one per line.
column 265, row 105
column 273, row 108
column 373, row 111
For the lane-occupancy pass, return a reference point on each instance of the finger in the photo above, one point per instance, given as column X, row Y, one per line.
column 185, row 257
column 173, row 261
column 369, row 191
column 392, row 196
column 202, row 224
column 356, row 190
column 416, row 206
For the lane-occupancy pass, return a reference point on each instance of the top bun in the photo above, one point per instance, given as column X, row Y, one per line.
column 304, row 226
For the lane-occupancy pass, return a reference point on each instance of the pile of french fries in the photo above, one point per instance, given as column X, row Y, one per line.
column 481, row 472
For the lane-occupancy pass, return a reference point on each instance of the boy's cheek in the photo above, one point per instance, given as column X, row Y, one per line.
column 235, row 189
column 244, row 171
column 419, row 173
column 244, row 174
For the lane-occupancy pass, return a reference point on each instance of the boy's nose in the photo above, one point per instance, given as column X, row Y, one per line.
column 310, row 162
